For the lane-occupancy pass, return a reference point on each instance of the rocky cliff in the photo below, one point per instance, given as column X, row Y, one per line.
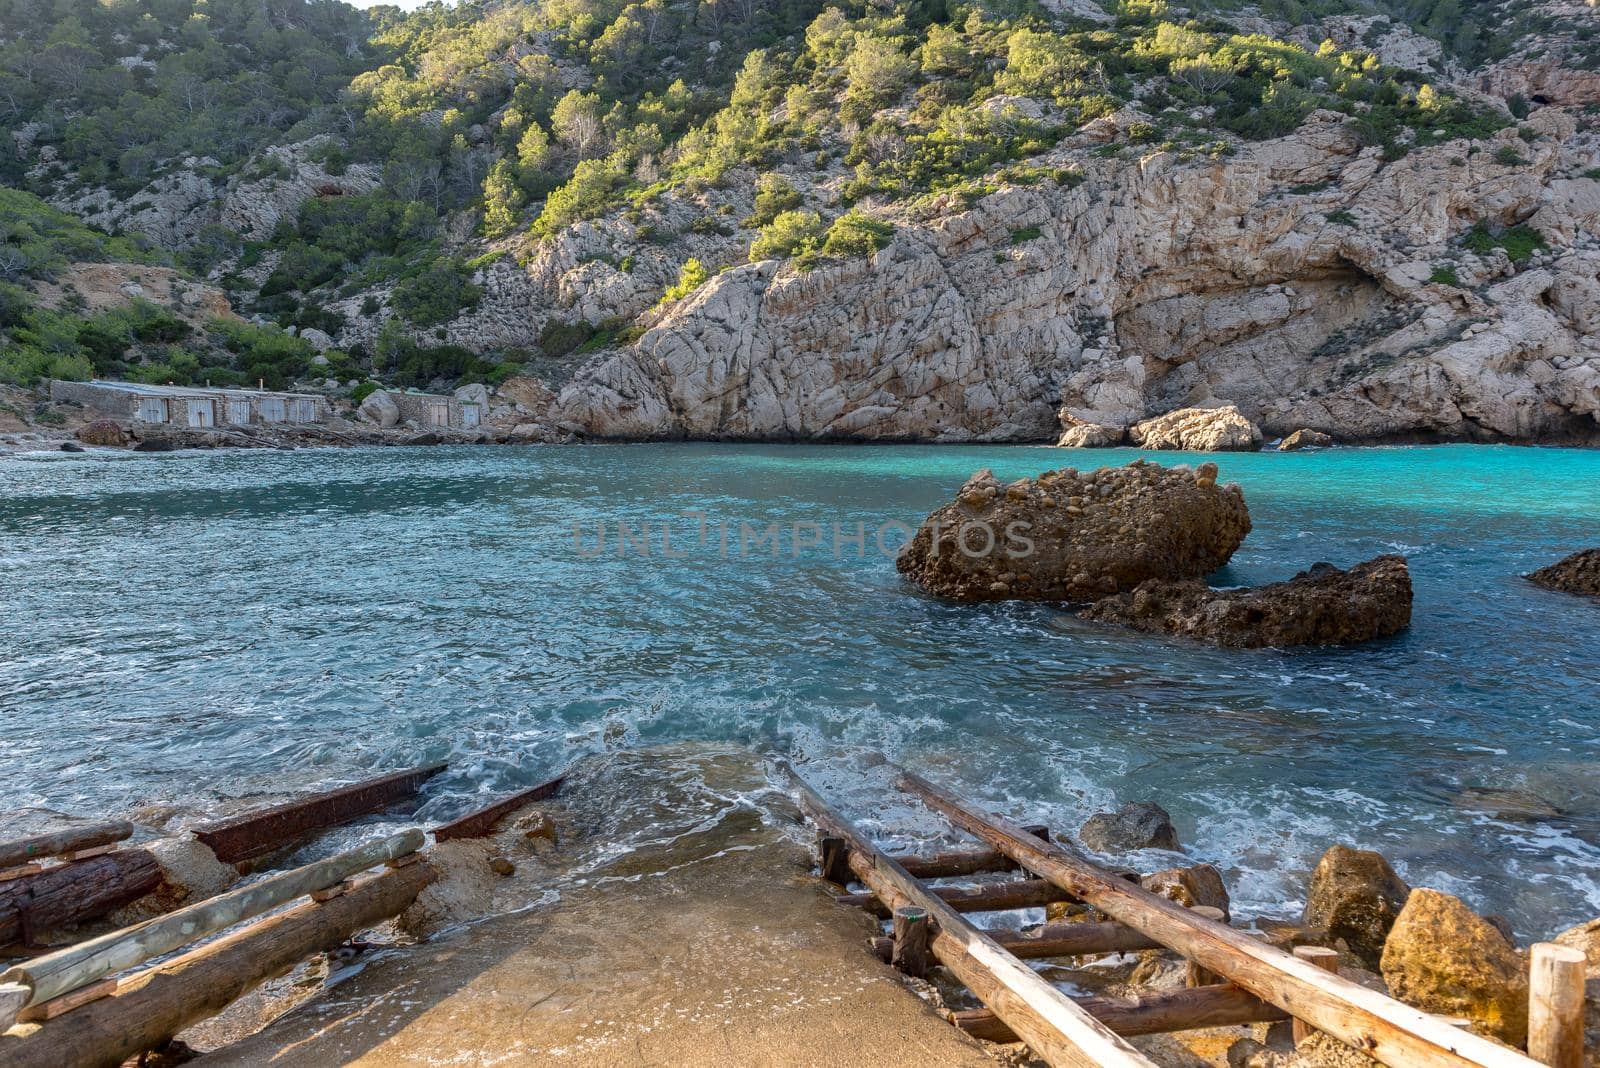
column 1305, row 280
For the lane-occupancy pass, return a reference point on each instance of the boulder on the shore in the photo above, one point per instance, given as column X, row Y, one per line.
column 1199, row 884
column 1444, row 958
column 1137, row 825
column 1355, row 895
column 1074, row 537
column 103, row 432
column 378, row 407
column 1222, row 429
column 154, row 445
column 72, row 446
column 190, row 872
column 1322, row 606
column 1578, row 573
column 1305, row 439
column 1077, row 434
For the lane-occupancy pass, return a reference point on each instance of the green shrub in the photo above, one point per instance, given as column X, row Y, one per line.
column 1024, row 235
column 774, row 195
column 363, row 391
column 790, row 233
column 1142, row 133
column 1341, row 218
column 1592, row 172
column 691, row 276
column 437, row 295
column 1445, row 275
column 1520, row 242
column 856, row 234
column 1508, row 156
column 559, row 338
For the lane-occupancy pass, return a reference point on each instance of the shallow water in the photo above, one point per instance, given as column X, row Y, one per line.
column 204, row 628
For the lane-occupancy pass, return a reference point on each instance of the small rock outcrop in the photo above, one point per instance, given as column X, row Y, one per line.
column 1355, row 895
column 1578, row 573
column 1075, row 537
column 1198, row 430
column 1138, row 825
column 1077, row 434
column 103, row 432
column 1305, row 439
column 1444, row 958
column 1322, row 606
column 1200, row 884
column 379, row 408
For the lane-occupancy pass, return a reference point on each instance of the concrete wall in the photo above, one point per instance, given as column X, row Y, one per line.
column 436, row 412
column 225, row 407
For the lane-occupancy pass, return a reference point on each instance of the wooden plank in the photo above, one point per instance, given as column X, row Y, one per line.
column 57, row 973
column 1059, row 940
column 151, row 1007
column 67, row 894
column 21, row 852
column 1381, row 1027
column 988, row 897
column 1555, row 1005
column 482, row 822
column 19, row 871
column 257, row 834
column 1054, row 1027
column 67, row 1002
column 92, row 851
column 958, row 863
column 1221, row 1005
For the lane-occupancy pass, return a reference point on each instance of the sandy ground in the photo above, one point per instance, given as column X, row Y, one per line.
column 696, row 937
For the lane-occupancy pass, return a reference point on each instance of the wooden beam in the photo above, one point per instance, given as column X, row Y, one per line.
column 1326, row 959
column 151, row 1007
column 1060, row 940
column 481, row 822
column 55, row 974
column 1220, row 1005
column 68, row 894
column 18, row 853
column 1555, row 1005
column 1054, row 1027
column 988, row 897
column 265, row 831
column 1385, row 1029
column 957, row 863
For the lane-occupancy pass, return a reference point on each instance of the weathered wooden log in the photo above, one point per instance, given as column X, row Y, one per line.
column 1152, row 1014
column 1396, row 1034
column 56, row 973
column 39, row 847
column 957, row 863
column 1326, row 959
column 1054, row 1027
column 72, row 893
column 265, row 831
column 1059, row 940
column 989, row 897
column 1555, row 1005
column 482, row 821
column 909, row 945
column 148, row 1009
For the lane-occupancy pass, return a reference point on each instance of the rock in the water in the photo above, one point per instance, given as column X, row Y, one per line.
column 1198, row 430
column 71, row 446
column 427, row 437
column 102, row 432
column 379, row 408
column 1578, row 573
column 1076, row 537
column 1444, row 958
column 1139, row 825
column 154, row 445
column 1322, row 606
column 1355, row 895
column 1077, row 434
column 1200, row 884
column 1305, row 439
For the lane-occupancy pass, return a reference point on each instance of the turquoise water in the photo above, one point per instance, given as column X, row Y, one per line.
column 196, row 629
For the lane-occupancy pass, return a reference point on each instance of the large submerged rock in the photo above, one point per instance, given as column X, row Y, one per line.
column 1137, row 825
column 1322, row 606
column 1578, row 573
column 1075, row 537
column 1443, row 957
column 1198, row 430
column 1355, row 895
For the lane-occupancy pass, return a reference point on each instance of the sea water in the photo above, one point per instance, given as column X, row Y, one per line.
column 200, row 629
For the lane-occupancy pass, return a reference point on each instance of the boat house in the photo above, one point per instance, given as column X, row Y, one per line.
column 193, row 406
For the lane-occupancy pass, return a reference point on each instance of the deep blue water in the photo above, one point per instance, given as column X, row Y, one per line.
column 205, row 627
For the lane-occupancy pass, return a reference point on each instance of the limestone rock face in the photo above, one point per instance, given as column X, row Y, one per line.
column 1322, row 606
column 1138, row 825
column 1355, row 895
column 1076, row 434
column 1444, row 958
column 1198, row 430
column 1074, row 537
column 1305, row 439
column 379, row 408
column 103, row 432
column 1200, row 884
column 1578, row 573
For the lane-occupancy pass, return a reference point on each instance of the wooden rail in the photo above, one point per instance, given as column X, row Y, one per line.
column 1053, row 1025
column 1151, row 1014
column 1387, row 1030
column 990, row 897
column 48, row 977
column 482, row 821
column 266, row 831
column 21, row 853
column 66, row 894
column 1059, row 940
